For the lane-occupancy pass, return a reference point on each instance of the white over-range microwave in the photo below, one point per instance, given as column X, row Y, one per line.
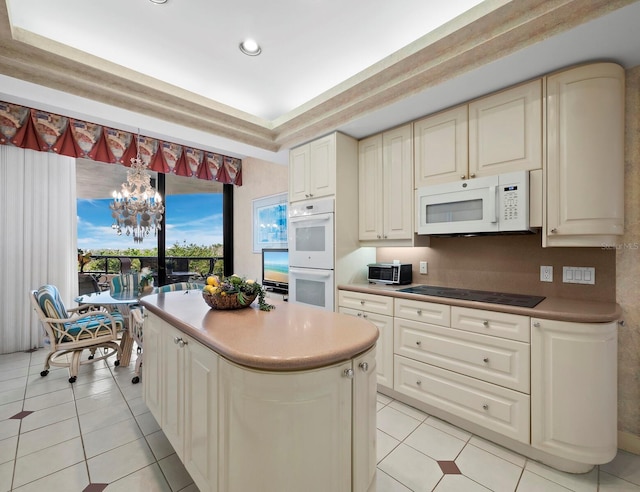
column 491, row 204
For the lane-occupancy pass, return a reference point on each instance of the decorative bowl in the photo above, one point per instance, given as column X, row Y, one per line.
column 230, row 301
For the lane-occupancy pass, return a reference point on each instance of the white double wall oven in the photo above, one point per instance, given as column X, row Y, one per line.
column 311, row 253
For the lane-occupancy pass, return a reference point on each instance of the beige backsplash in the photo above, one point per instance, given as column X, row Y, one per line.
column 508, row 264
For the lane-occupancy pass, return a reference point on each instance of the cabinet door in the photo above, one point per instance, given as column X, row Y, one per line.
column 397, row 183
column 441, row 147
column 585, row 139
column 574, row 389
column 152, row 366
column 265, row 437
column 172, row 372
column 505, row 131
column 299, row 173
column 384, row 345
column 322, row 167
column 201, row 416
column 364, row 421
column 370, row 188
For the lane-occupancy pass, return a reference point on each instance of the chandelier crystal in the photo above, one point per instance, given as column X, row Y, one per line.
column 137, row 210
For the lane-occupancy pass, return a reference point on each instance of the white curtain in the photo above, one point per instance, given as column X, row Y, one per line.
column 38, row 245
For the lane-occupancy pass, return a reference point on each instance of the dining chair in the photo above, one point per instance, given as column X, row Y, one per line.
column 136, row 320
column 69, row 332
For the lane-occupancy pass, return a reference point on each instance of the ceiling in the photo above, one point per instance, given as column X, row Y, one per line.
column 174, row 71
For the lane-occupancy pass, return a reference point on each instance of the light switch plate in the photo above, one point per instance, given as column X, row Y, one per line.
column 423, row 267
column 579, row 275
column 546, row 274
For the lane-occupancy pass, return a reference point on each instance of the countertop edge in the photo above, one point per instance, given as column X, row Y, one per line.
column 556, row 308
column 274, row 364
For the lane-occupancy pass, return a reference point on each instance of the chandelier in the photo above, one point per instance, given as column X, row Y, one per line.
column 137, row 209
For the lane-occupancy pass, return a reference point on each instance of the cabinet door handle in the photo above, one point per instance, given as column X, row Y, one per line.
column 485, row 323
column 348, row 373
column 463, row 176
column 536, row 324
column 554, row 230
column 182, row 343
column 418, row 382
column 485, row 360
column 364, row 315
column 362, row 303
column 485, row 407
column 418, row 343
column 379, row 237
column 472, row 175
column 364, row 366
column 176, row 340
column 419, row 312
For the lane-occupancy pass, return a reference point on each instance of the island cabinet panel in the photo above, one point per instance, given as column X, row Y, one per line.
column 299, row 418
column 201, row 416
column 172, row 370
column 364, row 421
column 151, row 387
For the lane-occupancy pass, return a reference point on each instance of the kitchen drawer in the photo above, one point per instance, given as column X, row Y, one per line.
column 492, row 359
column 366, row 302
column 512, row 326
column 494, row 407
column 427, row 312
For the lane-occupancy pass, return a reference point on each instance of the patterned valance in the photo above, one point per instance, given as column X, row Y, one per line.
column 47, row 132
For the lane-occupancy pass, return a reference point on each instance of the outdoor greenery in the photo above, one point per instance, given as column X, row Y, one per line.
column 176, row 251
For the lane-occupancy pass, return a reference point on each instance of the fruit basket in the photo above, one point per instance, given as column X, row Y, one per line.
column 229, row 301
column 233, row 292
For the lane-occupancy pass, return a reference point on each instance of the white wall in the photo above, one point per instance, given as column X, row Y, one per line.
column 259, row 179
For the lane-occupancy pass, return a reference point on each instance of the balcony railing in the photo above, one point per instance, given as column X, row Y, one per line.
column 193, row 265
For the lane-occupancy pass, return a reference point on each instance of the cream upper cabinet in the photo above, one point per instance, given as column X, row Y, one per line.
column 386, row 185
column 441, row 147
column 585, row 163
column 505, row 131
column 312, row 169
column 574, row 389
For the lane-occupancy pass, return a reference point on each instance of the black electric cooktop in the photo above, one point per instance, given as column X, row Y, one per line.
column 519, row 300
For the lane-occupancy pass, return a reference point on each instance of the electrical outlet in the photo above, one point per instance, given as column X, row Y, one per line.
column 423, row 267
column 546, row 274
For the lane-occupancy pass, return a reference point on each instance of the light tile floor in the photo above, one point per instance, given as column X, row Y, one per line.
column 97, row 434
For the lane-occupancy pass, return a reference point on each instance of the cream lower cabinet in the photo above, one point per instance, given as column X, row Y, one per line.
column 479, row 377
column 304, row 419
column 180, row 388
column 378, row 310
column 574, row 389
column 585, row 163
column 238, row 429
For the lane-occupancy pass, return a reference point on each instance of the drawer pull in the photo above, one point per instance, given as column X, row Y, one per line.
column 419, row 312
column 359, row 315
column 418, row 343
column 485, row 323
column 485, row 360
column 418, row 382
column 362, row 303
column 485, row 407
column 364, row 315
column 536, row 325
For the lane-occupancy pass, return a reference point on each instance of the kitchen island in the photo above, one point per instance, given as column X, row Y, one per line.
column 254, row 400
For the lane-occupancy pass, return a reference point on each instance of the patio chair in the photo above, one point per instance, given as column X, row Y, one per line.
column 136, row 320
column 69, row 332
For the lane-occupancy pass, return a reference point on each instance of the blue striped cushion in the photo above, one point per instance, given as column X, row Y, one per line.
column 179, row 286
column 97, row 323
column 125, row 282
column 49, row 300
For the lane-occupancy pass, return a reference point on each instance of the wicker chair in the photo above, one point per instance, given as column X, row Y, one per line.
column 136, row 320
column 69, row 332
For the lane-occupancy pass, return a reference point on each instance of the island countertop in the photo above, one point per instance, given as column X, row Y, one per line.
column 291, row 337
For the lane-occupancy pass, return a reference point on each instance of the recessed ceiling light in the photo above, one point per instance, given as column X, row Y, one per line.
column 250, row 47
column 158, row 1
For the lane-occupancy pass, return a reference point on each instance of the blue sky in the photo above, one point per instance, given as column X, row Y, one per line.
column 196, row 219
